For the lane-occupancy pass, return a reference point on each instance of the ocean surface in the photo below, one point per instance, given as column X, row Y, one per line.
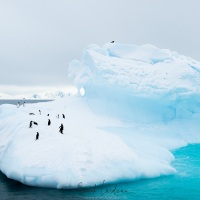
column 185, row 184
column 21, row 101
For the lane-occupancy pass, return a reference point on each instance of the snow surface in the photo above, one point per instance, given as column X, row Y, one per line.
column 136, row 104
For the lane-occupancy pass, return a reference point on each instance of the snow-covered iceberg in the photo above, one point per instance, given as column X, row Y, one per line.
column 135, row 104
column 138, row 82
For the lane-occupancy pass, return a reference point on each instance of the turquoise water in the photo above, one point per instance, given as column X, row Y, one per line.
column 185, row 184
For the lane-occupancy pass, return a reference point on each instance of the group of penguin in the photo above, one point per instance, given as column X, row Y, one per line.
column 61, row 128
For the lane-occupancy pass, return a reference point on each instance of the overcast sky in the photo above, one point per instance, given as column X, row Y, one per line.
column 38, row 38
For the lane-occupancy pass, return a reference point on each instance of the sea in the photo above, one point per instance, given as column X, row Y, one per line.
column 21, row 101
column 185, row 184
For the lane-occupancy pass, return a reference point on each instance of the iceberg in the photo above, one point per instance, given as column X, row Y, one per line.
column 134, row 105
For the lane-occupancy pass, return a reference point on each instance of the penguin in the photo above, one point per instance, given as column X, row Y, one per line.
column 30, row 125
column 37, row 136
column 61, row 129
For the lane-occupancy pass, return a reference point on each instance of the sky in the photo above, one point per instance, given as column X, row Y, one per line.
column 38, row 38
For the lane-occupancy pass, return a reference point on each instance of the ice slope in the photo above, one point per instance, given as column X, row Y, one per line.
column 136, row 104
column 85, row 153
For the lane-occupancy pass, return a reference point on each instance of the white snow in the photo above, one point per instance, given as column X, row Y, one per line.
column 136, row 103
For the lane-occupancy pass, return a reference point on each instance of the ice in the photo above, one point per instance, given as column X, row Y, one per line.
column 145, row 53
column 135, row 104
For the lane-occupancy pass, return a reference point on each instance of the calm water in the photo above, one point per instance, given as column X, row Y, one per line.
column 15, row 101
column 185, row 184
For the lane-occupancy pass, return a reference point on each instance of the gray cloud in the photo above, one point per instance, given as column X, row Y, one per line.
column 39, row 38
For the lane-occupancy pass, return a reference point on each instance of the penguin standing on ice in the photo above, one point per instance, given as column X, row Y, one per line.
column 49, row 122
column 37, row 136
column 30, row 125
column 40, row 112
column 61, row 129
column 63, row 116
